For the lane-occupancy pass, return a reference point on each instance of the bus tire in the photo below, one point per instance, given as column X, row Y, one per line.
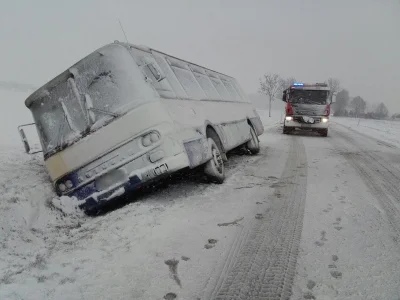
column 214, row 168
column 254, row 144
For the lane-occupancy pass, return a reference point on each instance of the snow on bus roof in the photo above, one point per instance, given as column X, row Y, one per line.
column 149, row 49
column 43, row 89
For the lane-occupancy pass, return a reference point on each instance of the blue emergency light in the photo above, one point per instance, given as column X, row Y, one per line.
column 298, row 84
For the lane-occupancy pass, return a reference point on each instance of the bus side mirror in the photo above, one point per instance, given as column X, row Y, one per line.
column 333, row 99
column 24, row 140
column 156, row 72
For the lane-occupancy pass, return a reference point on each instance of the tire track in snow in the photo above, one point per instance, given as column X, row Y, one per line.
column 262, row 262
column 381, row 178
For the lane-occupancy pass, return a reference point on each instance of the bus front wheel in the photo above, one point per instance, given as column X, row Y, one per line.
column 214, row 168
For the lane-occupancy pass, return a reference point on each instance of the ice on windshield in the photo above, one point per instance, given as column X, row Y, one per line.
column 107, row 79
column 54, row 124
column 319, row 97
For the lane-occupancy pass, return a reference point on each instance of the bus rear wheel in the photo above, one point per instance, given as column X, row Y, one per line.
column 214, row 168
column 253, row 145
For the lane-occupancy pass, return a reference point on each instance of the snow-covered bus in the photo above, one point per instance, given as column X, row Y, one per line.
column 126, row 115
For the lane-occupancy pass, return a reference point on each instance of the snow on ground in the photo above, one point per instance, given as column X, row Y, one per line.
column 383, row 130
column 184, row 236
column 349, row 250
column 46, row 244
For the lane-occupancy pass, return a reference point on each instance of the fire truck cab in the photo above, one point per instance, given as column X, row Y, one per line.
column 307, row 107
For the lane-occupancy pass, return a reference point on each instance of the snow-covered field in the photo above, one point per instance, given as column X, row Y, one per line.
column 386, row 131
column 190, row 240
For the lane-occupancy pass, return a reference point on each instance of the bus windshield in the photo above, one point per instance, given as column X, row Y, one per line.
column 298, row 96
column 97, row 90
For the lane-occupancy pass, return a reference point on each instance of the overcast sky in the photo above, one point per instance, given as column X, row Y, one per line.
column 357, row 41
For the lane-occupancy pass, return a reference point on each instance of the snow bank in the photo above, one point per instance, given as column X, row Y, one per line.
column 387, row 131
column 68, row 206
column 30, row 215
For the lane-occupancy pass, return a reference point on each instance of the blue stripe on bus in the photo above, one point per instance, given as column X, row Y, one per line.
column 86, row 191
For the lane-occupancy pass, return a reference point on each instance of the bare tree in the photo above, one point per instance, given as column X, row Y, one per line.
column 270, row 85
column 342, row 100
column 334, row 86
column 286, row 83
column 381, row 111
column 358, row 105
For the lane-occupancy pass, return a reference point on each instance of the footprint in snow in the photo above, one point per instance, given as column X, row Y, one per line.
column 311, row 284
column 322, row 239
column 259, row 216
column 185, row 258
column 336, row 225
column 173, row 269
column 211, row 243
column 308, row 295
column 170, row 296
column 336, row 274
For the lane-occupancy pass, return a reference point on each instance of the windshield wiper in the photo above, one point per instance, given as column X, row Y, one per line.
column 67, row 119
column 106, row 112
column 60, row 136
column 90, row 107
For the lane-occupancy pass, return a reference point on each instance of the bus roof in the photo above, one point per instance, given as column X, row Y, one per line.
column 40, row 91
column 148, row 49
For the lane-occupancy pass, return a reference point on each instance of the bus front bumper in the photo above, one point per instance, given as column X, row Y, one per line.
column 119, row 181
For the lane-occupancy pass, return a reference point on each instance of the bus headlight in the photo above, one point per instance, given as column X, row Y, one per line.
column 154, row 137
column 62, row 187
column 69, row 184
column 146, row 141
column 65, row 186
column 289, row 118
column 324, row 120
column 150, row 139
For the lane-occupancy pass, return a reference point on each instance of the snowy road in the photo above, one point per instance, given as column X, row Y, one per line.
column 307, row 218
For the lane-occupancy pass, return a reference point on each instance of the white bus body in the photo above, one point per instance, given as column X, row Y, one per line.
column 125, row 115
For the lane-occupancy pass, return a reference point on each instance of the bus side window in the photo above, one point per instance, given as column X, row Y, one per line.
column 186, row 78
column 170, row 75
column 205, row 83
column 234, row 96
column 238, row 90
column 153, row 73
column 219, row 86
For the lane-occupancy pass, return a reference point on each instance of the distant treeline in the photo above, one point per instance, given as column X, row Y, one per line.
column 357, row 107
